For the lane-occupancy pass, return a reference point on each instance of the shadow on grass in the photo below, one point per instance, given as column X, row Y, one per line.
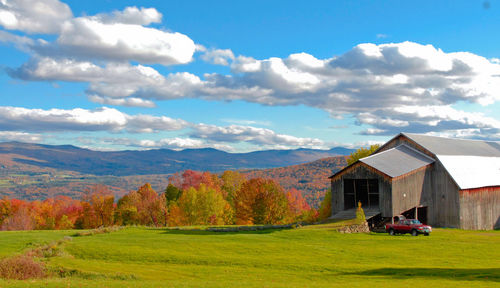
column 489, row 274
column 212, row 233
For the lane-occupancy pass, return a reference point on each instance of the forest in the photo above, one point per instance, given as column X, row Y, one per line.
column 191, row 198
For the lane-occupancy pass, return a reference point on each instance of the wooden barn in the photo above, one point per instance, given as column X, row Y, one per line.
column 441, row 181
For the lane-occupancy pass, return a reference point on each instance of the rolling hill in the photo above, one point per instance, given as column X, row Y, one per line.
column 158, row 161
column 35, row 171
column 311, row 179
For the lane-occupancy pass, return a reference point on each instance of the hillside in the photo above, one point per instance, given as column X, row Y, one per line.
column 311, row 179
column 156, row 161
column 34, row 171
column 311, row 256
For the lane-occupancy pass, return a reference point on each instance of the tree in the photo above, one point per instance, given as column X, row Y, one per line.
column 325, row 210
column 5, row 209
column 21, row 219
column 202, row 206
column 98, row 207
column 361, row 153
column 231, row 183
column 151, row 208
column 172, row 193
column 297, row 205
column 260, row 201
column 143, row 206
column 126, row 211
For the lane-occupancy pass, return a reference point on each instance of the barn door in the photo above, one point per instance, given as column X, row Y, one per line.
column 361, row 190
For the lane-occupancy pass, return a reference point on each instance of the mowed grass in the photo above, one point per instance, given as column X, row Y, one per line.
column 313, row 256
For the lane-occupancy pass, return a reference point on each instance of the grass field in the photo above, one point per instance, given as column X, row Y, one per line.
column 313, row 256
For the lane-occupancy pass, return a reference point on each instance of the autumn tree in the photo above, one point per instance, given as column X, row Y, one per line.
column 325, row 209
column 231, row 183
column 202, row 206
column 361, row 153
column 297, row 205
column 260, row 201
column 5, row 209
column 126, row 210
column 98, row 208
column 143, row 206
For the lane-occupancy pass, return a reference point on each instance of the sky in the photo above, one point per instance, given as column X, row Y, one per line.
column 242, row 76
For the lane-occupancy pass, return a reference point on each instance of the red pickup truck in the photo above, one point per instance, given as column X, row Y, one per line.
column 412, row 226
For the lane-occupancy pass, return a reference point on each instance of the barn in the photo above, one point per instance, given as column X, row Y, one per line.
column 443, row 182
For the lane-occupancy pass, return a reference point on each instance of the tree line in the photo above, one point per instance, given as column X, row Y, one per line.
column 191, row 198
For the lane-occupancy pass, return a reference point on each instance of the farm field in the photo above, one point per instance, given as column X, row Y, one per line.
column 311, row 256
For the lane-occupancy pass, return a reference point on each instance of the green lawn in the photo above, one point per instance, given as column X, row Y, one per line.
column 305, row 257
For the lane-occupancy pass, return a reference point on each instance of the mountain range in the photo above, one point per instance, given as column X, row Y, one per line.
column 157, row 161
column 35, row 171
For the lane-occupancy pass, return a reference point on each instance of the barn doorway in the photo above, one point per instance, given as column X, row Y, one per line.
column 419, row 213
column 363, row 190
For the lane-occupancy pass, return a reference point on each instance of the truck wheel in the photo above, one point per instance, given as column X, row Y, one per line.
column 414, row 232
column 426, row 234
column 391, row 232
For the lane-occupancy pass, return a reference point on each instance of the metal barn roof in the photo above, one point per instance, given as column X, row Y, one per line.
column 448, row 146
column 471, row 163
column 397, row 161
column 472, row 171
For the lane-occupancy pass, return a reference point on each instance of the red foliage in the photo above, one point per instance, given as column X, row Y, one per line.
column 311, row 179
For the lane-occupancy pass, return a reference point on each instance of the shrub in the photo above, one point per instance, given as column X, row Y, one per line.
column 21, row 267
column 360, row 214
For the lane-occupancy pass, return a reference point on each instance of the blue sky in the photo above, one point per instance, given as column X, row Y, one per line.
column 243, row 76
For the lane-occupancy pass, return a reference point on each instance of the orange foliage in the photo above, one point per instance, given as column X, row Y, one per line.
column 204, row 199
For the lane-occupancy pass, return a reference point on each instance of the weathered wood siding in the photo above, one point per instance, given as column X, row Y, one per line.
column 480, row 208
column 444, row 207
column 412, row 190
column 362, row 171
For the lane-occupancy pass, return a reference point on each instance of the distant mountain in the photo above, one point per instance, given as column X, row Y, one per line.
column 35, row 171
column 158, row 161
column 311, row 179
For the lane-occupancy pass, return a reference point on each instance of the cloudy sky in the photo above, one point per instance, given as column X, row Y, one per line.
column 243, row 76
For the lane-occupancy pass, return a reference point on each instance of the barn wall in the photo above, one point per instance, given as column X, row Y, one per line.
column 412, row 190
column 480, row 208
column 444, row 208
column 362, row 171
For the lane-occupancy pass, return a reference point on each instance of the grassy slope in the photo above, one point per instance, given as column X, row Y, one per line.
column 15, row 242
column 306, row 257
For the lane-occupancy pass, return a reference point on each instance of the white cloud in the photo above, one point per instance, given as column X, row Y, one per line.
column 371, row 82
column 131, row 15
column 116, row 36
column 19, row 136
column 175, row 143
column 92, row 38
column 34, row 16
column 21, row 42
column 17, row 121
column 130, row 102
column 259, row 136
column 102, row 119
column 218, row 56
column 247, row 122
column 430, row 119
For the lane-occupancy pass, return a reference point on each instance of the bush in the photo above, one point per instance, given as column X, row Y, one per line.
column 360, row 214
column 21, row 267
